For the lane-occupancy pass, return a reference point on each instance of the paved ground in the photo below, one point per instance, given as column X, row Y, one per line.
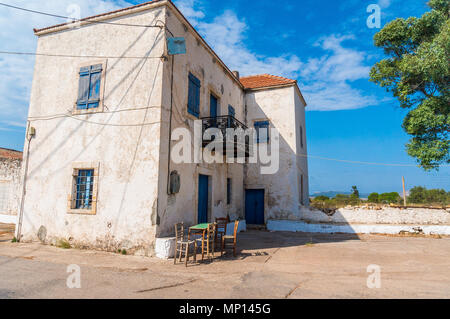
column 270, row 265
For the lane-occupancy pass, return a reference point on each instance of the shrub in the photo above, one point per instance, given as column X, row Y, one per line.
column 374, row 198
column 321, row 198
column 389, row 198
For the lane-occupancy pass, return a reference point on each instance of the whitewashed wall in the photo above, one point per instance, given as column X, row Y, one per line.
column 10, row 182
column 128, row 156
column 214, row 79
column 283, row 109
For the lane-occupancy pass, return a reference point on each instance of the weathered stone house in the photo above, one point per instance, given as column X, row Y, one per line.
column 105, row 100
column 10, row 182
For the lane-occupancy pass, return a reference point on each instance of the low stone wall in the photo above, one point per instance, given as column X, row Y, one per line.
column 386, row 215
column 10, row 189
column 329, row 228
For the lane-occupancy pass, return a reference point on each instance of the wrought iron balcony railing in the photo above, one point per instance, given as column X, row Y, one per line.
column 224, row 123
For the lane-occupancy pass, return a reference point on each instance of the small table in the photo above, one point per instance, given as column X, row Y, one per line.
column 199, row 229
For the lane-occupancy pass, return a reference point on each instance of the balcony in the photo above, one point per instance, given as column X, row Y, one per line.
column 223, row 123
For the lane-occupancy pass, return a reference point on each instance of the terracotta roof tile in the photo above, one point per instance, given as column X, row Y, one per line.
column 10, row 154
column 265, row 80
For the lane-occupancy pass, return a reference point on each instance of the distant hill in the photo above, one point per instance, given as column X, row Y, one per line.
column 332, row 194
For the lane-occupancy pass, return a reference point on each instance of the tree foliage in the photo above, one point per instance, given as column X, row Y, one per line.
column 421, row 195
column 417, row 72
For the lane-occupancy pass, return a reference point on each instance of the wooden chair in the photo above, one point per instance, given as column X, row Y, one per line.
column 221, row 230
column 229, row 241
column 208, row 240
column 183, row 245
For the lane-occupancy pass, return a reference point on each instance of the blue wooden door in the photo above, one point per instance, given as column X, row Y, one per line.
column 254, row 206
column 202, row 199
column 213, row 106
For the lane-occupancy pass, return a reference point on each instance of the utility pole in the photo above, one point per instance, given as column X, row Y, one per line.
column 404, row 191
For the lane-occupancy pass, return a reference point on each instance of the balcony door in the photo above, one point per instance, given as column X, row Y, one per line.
column 203, row 199
column 213, row 106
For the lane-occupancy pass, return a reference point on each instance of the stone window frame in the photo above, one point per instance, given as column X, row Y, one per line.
column 101, row 104
column 75, row 168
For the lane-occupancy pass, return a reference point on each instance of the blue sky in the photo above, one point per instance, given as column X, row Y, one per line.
column 326, row 45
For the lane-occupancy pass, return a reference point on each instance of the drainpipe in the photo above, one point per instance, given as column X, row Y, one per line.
column 29, row 136
column 170, row 128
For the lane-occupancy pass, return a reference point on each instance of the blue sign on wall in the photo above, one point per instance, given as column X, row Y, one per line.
column 176, row 46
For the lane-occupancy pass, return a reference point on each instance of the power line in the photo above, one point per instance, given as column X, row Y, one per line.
column 79, row 56
column 360, row 162
column 78, row 20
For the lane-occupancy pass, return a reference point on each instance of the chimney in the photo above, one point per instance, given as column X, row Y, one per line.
column 236, row 74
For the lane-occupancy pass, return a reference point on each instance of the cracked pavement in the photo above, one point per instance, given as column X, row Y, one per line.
column 269, row 265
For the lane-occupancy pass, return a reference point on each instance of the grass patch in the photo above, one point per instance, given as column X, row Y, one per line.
column 122, row 251
column 14, row 240
column 63, row 243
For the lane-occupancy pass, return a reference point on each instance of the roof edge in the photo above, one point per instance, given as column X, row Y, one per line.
column 102, row 17
column 280, row 86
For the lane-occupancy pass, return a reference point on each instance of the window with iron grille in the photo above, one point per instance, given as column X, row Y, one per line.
column 262, row 131
column 84, row 182
column 194, row 96
column 89, row 87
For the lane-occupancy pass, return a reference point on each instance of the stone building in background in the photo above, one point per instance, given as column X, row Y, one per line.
column 10, row 181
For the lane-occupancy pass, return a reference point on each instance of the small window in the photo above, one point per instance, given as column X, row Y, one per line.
column 302, row 199
column 89, row 87
column 231, row 111
column 228, row 191
column 262, row 131
column 84, row 189
column 301, row 136
column 194, row 95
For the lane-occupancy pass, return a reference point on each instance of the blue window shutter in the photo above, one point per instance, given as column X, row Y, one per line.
column 231, row 111
column 89, row 87
column 83, row 88
column 194, row 95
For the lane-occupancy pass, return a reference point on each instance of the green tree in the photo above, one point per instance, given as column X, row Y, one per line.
column 389, row 198
column 355, row 191
column 373, row 198
column 417, row 72
column 421, row 195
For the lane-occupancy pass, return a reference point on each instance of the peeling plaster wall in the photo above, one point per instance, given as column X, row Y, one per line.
column 182, row 207
column 282, row 107
column 127, row 156
column 10, row 182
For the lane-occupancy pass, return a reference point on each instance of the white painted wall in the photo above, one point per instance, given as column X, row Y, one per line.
column 282, row 107
column 128, row 156
column 182, row 207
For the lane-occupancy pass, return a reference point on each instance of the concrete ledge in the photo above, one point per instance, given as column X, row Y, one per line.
column 165, row 247
column 8, row 219
column 300, row 226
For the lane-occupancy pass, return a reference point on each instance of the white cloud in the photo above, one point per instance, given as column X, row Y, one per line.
column 188, row 7
column 16, row 34
column 384, row 3
column 325, row 80
column 328, row 79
